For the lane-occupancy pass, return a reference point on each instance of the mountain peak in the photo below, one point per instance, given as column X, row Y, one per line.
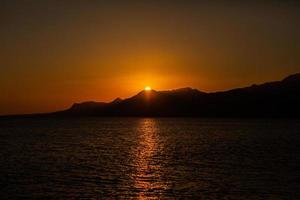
column 185, row 89
column 117, row 100
column 292, row 78
column 144, row 92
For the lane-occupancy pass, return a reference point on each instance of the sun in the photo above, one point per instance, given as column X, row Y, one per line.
column 147, row 88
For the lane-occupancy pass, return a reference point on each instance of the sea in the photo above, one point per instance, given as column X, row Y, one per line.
column 149, row 158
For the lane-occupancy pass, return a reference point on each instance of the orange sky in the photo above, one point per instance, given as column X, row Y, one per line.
column 54, row 53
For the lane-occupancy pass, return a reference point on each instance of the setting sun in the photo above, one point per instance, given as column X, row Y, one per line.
column 147, row 88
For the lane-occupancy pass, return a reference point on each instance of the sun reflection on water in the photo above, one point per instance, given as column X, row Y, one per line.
column 148, row 170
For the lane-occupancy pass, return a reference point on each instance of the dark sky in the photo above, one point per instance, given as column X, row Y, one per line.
column 54, row 53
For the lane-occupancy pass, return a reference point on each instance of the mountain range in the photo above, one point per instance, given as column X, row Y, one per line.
column 272, row 99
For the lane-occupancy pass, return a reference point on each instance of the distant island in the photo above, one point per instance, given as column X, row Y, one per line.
column 272, row 99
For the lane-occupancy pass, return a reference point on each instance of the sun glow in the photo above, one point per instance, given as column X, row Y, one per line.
column 147, row 88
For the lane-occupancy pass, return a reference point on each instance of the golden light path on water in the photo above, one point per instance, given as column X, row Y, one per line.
column 147, row 176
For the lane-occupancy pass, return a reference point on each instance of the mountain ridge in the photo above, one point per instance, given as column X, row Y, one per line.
column 270, row 99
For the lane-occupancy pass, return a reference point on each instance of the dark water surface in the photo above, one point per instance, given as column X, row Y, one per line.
column 148, row 158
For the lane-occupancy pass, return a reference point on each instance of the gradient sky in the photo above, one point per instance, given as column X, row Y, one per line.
column 54, row 53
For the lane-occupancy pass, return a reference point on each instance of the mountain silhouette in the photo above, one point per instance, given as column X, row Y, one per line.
column 272, row 99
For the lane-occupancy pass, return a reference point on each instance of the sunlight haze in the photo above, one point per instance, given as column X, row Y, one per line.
column 55, row 53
